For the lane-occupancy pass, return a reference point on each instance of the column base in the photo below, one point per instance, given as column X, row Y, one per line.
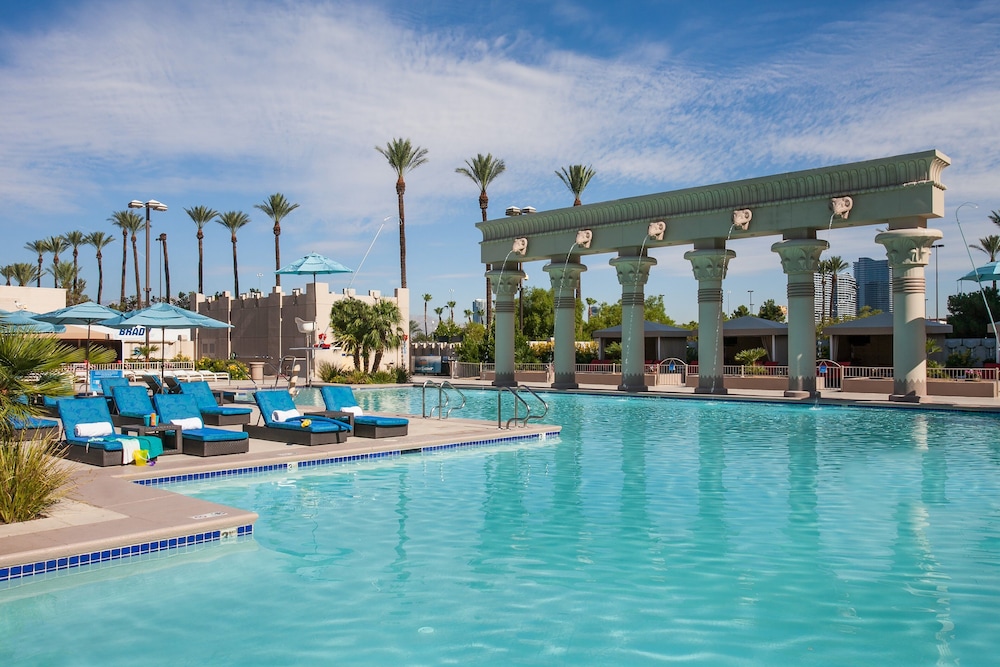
column 904, row 398
column 565, row 385
column 633, row 387
column 720, row 391
column 801, row 394
column 504, row 383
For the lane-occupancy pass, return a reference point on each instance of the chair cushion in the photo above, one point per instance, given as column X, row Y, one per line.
column 225, row 411
column 107, row 444
column 315, row 425
column 33, row 422
column 214, row 434
column 382, row 421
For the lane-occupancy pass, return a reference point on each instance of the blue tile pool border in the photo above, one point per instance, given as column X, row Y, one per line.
column 14, row 572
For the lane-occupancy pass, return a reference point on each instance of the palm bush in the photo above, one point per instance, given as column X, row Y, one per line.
column 33, row 478
column 749, row 359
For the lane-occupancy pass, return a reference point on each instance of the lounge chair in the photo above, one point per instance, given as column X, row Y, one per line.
column 91, row 435
column 35, row 427
column 282, row 422
column 340, row 398
column 132, row 405
column 108, row 384
column 181, row 410
column 211, row 412
column 154, row 383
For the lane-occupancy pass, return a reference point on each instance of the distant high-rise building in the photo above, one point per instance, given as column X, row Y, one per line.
column 845, row 297
column 874, row 279
column 478, row 310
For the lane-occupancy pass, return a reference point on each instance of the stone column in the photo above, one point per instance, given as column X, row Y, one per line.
column 908, row 251
column 800, row 261
column 633, row 272
column 564, row 277
column 709, row 267
column 505, row 283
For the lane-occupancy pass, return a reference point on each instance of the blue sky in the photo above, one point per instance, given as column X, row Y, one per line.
column 223, row 103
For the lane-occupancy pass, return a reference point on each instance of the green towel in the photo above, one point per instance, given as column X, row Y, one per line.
column 152, row 444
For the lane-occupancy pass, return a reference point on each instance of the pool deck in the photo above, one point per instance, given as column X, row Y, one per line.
column 107, row 510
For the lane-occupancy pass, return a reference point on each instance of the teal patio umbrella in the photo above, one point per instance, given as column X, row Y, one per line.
column 314, row 264
column 164, row 316
column 25, row 320
column 87, row 313
column 986, row 272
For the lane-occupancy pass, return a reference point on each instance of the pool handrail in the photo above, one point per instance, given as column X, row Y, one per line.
column 444, row 399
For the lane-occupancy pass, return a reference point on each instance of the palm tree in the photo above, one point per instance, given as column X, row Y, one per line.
column 483, row 170
column 25, row 272
column 130, row 222
column 39, row 247
column 440, row 313
column 403, row 157
column 201, row 215
column 451, row 309
column 7, row 272
column 427, row 300
column 990, row 245
column 75, row 239
column 100, row 240
column 576, row 177
column 57, row 244
column 233, row 221
column 468, row 316
column 276, row 207
column 162, row 238
column 994, row 217
column 386, row 325
column 62, row 275
column 836, row 265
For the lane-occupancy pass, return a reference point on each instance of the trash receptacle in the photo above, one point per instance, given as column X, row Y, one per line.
column 446, row 366
column 257, row 371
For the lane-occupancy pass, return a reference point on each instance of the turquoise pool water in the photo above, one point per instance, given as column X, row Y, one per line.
column 651, row 531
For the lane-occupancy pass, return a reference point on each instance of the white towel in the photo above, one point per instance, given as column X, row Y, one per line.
column 355, row 409
column 188, row 423
column 92, row 429
column 284, row 415
column 129, row 447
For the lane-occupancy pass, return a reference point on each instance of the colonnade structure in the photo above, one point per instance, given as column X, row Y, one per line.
column 899, row 194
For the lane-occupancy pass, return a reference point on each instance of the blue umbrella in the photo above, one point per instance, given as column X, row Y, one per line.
column 164, row 316
column 989, row 271
column 21, row 319
column 87, row 313
column 314, row 264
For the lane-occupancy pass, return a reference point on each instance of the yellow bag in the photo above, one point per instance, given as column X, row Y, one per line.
column 141, row 457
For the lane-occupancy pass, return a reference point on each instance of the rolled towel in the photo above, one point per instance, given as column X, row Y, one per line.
column 93, row 429
column 188, row 423
column 284, row 415
column 353, row 409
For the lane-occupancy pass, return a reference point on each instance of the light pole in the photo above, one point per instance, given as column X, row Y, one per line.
column 259, row 276
column 750, row 292
column 937, row 302
column 156, row 206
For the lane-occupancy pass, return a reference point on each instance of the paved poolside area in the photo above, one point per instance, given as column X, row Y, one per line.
column 107, row 509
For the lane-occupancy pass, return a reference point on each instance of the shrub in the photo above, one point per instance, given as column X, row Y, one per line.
column 382, row 377
column 402, row 375
column 237, row 369
column 33, row 478
column 958, row 359
column 586, row 352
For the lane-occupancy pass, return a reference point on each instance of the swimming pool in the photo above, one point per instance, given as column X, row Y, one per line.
column 652, row 530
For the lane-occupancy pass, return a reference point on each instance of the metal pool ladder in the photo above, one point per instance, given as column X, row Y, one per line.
column 515, row 392
column 443, row 406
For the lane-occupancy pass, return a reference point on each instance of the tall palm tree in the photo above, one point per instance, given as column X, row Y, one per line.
column 130, row 222
column 483, row 170
column 57, row 244
column 451, row 309
column 233, row 221
column 201, row 215
column 468, row 315
column 403, row 157
column 439, row 311
column 994, row 217
column 100, row 240
column 576, row 177
column 427, row 300
column 162, row 238
column 7, row 272
column 25, row 273
column 75, row 239
column 276, row 207
column 39, row 247
column 990, row 245
column 386, row 324
column 835, row 266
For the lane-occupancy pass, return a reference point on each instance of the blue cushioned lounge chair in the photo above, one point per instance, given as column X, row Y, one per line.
column 303, row 430
column 96, row 450
column 35, row 427
column 108, row 384
column 131, row 404
column 336, row 397
column 211, row 412
column 200, row 441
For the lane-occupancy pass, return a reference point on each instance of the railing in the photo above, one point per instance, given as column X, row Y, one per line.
column 515, row 392
column 443, row 406
column 671, row 371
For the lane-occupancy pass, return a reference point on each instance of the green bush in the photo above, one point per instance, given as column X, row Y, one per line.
column 382, row 377
column 958, row 359
column 328, row 372
column 33, row 478
column 237, row 370
column 402, row 375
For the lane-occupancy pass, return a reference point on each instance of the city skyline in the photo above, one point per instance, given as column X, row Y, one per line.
column 224, row 104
